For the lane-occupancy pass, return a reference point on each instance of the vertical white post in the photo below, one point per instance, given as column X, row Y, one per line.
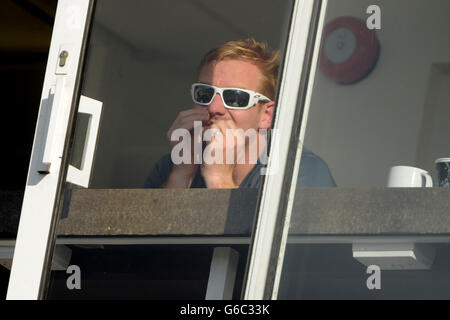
column 222, row 274
column 264, row 234
column 306, row 108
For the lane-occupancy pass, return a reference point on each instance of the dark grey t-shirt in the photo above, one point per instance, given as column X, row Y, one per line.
column 314, row 172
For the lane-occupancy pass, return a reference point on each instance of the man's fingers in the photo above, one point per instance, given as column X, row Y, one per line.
column 215, row 130
column 187, row 122
column 186, row 119
column 225, row 125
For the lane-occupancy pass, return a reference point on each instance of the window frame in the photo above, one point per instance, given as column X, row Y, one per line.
column 34, row 242
column 272, row 223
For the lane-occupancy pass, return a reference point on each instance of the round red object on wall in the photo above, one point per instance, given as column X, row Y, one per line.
column 349, row 50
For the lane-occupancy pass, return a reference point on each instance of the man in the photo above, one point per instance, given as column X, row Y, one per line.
column 235, row 92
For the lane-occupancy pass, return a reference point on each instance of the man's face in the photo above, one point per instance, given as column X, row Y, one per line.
column 236, row 74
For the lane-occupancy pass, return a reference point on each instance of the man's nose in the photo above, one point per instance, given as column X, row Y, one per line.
column 216, row 106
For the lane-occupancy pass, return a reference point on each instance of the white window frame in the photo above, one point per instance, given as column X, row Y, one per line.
column 265, row 254
column 308, row 94
column 34, row 234
column 34, row 243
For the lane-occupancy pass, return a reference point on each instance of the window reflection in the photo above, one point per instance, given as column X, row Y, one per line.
column 371, row 113
column 142, row 73
column 378, row 112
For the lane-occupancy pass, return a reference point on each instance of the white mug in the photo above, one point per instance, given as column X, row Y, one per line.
column 409, row 177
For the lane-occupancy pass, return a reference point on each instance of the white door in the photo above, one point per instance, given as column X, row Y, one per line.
column 117, row 76
column 45, row 165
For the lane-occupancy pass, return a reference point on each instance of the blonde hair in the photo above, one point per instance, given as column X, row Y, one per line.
column 253, row 51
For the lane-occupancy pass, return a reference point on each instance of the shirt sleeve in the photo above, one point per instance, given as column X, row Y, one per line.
column 160, row 173
column 314, row 172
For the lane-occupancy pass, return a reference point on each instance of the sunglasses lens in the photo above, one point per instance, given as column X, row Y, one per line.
column 203, row 94
column 236, row 98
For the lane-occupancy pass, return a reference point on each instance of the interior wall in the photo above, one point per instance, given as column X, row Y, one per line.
column 363, row 129
column 435, row 130
column 25, row 34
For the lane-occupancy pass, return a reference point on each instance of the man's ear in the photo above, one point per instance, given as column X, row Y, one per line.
column 267, row 114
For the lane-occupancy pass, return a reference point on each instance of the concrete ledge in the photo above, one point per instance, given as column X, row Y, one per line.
column 371, row 211
column 141, row 212
column 316, row 211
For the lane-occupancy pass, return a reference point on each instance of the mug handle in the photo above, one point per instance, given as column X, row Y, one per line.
column 428, row 180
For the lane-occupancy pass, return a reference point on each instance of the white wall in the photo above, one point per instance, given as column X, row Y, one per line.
column 363, row 129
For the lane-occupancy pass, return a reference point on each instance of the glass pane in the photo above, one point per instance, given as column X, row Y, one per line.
column 142, row 225
column 370, row 215
column 25, row 33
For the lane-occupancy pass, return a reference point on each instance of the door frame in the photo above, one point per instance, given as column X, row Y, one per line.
column 34, row 242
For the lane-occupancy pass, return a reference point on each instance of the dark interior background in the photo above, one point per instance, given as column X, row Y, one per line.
column 25, row 33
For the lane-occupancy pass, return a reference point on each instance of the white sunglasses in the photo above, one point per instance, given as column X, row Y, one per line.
column 233, row 98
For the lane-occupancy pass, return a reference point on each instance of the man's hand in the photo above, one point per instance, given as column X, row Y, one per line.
column 226, row 146
column 182, row 174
